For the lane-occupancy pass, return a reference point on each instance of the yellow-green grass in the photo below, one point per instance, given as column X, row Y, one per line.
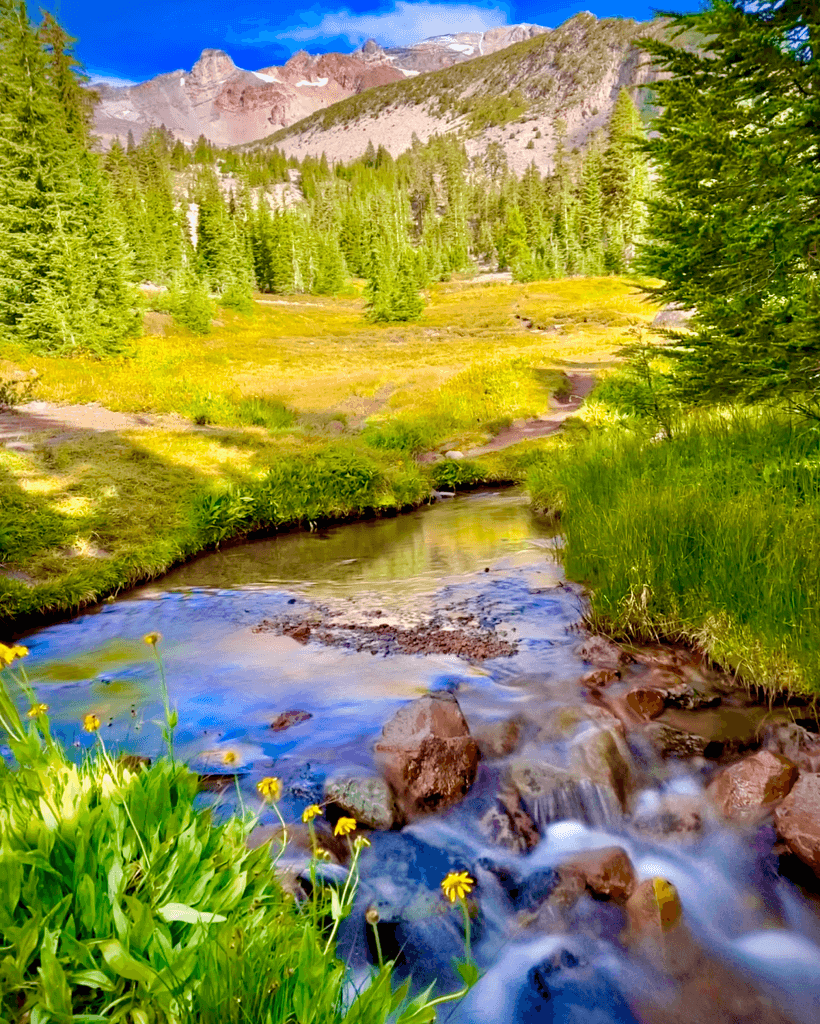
column 711, row 537
column 86, row 513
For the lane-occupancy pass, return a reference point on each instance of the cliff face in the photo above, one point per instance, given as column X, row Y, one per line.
column 513, row 97
column 229, row 105
column 509, row 86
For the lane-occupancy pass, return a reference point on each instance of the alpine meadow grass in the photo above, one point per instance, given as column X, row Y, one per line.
column 712, row 537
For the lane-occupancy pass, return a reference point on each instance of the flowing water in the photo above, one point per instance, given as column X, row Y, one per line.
column 478, row 563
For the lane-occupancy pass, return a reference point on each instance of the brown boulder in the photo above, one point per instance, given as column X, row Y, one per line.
column 747, row 790
column 798, row 820
column 645, row 702
column 606, row 872
column 427, row 755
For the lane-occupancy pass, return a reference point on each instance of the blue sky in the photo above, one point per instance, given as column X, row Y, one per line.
column 138, row 39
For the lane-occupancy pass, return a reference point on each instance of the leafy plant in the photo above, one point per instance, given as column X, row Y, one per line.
column 121, row 902
column 14, row 390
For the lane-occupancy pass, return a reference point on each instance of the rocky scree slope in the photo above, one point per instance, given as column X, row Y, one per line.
column 513, row 98
column 229, row 105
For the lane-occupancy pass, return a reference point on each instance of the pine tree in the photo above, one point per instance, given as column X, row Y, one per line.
column 592, row 213
column 733, row 231
column 624, row 181
column 63, row 261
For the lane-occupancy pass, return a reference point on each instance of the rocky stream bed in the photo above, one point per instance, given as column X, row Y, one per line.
column 643, row 833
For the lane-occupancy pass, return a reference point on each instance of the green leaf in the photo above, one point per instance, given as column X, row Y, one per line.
column 92, row 979
column 468, row 971
column 85, row 898
column 123, row 964
column 182, row 912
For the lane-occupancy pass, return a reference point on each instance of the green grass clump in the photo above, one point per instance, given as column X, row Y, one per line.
column 121, row 902
column 713, row 537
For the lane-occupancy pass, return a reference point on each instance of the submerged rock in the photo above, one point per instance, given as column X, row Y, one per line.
column 750, row 789
column 602, row 653
column 505, row 823
column 602, row 757
column 427, row 756
column 607, row 872
column 671, row 814
column 647, row 703
column 670, row 742
column 567, row 988
column 796, row 743
column 288, row 718
column 549, row 793
column 497, row 739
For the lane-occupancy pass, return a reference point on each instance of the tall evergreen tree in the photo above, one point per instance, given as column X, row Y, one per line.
column 63, row 261
column 734, row 231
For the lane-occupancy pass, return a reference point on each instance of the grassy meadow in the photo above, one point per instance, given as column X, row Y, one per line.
column 303, row 412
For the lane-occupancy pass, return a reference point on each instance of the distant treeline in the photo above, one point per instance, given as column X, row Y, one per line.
column 79, row 229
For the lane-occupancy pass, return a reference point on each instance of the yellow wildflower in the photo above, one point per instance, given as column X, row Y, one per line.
column 360, row 842
column 309, row 813
column 270, row 788
column 91, row 723
column 9, row 654
column 456, row 885
column 229, row 757
column 152, row 638
column 343, row 826
column 36, row 710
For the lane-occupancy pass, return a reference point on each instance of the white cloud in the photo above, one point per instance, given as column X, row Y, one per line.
column 405, row 23
column 109, row 80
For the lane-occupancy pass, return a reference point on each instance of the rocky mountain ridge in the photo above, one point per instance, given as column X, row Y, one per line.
column 230, row 106
column 518, row 98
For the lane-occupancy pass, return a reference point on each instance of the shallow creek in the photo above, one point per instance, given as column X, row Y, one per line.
column 256, row 631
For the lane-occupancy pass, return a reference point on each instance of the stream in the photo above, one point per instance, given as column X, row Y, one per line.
column 301, row 630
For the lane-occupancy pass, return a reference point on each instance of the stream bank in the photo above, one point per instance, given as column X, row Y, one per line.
column 579, row 771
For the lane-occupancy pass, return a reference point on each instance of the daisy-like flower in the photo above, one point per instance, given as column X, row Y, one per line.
column 270, row 788
column 456, row 885
column 152, row 638
column 36, row 710
column 309, row 813
column 229, row 757
column 343, row 826
column 91, row 723
column 10, row 654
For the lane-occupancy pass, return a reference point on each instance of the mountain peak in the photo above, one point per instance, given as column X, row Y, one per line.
column 212, row 66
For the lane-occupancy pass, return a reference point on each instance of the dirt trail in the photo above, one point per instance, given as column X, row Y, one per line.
column 541, row 426
column 63, row 421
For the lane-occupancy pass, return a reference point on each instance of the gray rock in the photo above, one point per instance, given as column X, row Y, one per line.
column 453, row 454
column 670, row 742
column 367, row 799
column 798, row 744
column 550, row 793
column 602, row 653
column 673, row 315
